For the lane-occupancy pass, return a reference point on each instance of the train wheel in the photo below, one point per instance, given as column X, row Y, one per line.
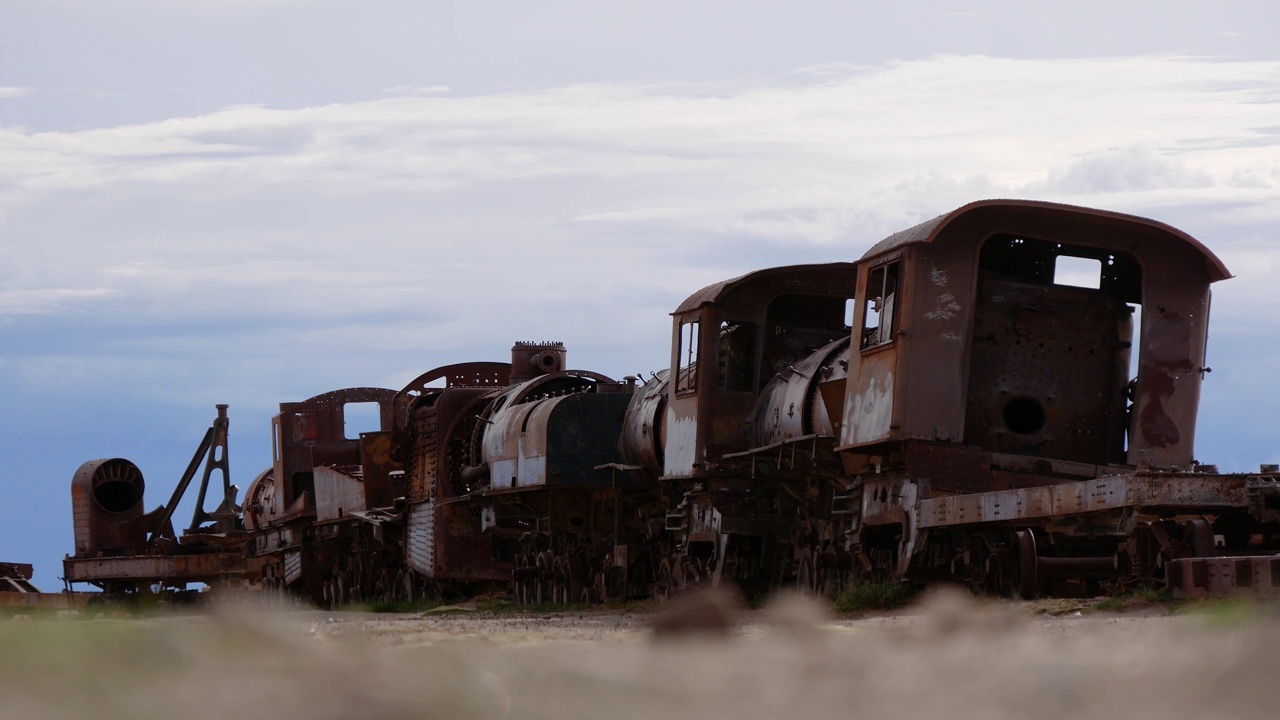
column 404, row 585
column 601, row 586
column 805, row 577
column 1202, row 539
column 578, row 575
column 679, row 578
column 559, row 585
column 1027, row 566
column 542, row 583
column 518, row 592
column 663, row 585
column 834, row 576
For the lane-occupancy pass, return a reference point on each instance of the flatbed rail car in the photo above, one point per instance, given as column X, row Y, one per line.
column 123, row 550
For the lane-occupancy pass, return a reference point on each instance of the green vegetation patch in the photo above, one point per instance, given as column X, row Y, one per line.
column 876, row 594
column 1139, row 598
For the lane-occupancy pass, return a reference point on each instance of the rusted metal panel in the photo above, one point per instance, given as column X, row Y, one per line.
column 502, row 444
column 1048, row 371
column 1202, row 492
column 1257, row 577
column 273, row 539
column 883, row 502
column 934, row 337
column 532, row 447
column 186, row 568
column 82, row 514
column 380, row 469
column 21, row 571
column 951, row 469
column 48, row 601
column 292, row 566
column 424, row 461
column 685, row 448
column 869, row 406
column 682, row 455
column 338, row 494
column 463, row 551
column 16, row 578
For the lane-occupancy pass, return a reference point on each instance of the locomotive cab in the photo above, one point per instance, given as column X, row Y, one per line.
column 1007, row 327
column 995, row 353
column 729, row 340
column 331, row 453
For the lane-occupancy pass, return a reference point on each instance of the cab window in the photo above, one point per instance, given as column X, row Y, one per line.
column 880, row 306
column 687, row 373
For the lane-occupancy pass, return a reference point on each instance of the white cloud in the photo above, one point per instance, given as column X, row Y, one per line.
column 417, row 90
column 430, row 218
column 1121, row 170
column 46, row 300
column 13, row 92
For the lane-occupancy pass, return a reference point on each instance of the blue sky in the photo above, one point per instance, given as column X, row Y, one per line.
column 256, row 202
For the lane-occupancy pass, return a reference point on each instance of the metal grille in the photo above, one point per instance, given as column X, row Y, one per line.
column 422, row 550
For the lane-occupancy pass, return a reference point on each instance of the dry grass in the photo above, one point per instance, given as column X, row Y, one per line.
column 954, row 656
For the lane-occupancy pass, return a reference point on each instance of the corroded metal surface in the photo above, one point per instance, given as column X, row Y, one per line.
column 192, row 568
column 16, row 578
column 1144, row 492
column 643, row 434
column 106, row 505
column 792, row 406
column 957, row 404
column 1225, row 577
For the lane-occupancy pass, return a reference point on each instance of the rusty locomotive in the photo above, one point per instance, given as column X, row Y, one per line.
column 1004, row 396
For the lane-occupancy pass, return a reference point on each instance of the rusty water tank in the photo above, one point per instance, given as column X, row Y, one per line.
column 106, row 503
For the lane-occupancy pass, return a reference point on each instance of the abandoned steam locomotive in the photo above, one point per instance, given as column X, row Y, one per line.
column 1005, row 396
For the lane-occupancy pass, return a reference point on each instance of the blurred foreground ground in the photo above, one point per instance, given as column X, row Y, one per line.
column 949, row 657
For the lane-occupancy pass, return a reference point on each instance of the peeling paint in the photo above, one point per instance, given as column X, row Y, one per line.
column 682, row 444
column 872, row 410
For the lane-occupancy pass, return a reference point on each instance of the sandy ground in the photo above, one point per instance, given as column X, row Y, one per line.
column 949, row 657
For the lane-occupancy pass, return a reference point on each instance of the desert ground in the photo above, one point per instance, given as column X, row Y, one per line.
column 948, row 656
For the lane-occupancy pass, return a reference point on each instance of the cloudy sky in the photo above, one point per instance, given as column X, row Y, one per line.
column 255, row 201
